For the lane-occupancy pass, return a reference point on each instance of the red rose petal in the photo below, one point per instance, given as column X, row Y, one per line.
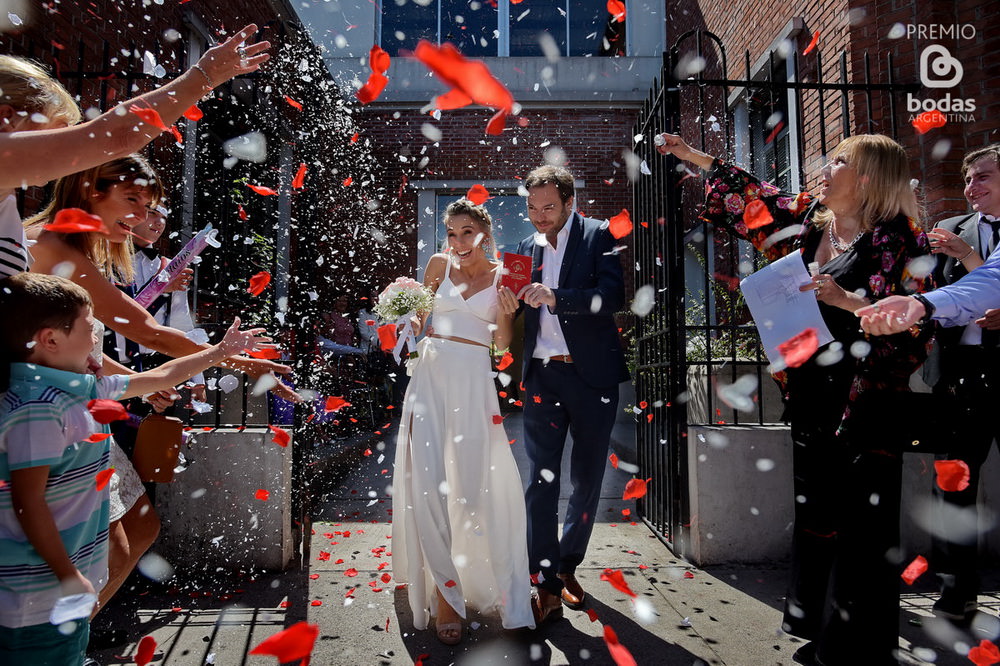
column 619, row 652
column 928, row 120
column 351, row 573
column 450, row 583
column 144, row 653
column 105, row 411
column 914, row 569
column 799, row 348
column 617, row 10
column 355, row 137
column 505, row 361
column 453, row 99
column 617, row 580
column 348, row 181
column 281, row 436
column 614, row 460
column 103, row 477
column 635, row 489
column 267, row 353
column 620, row 225
column 756, row 214
column 378, row 59
column 478, row 194
column 370, row 92
column 194, row 113
column 984, row 654
column 385, row 578
column 149, row 115
column 387, row 336
column 496, row 123
column 300, row 177
column 294, row 643
column 261, row 190
column 242, row 213
column 952, row 475
column 293, row 103
column 97, row 437
column 497, row 419
column 334, row 403
column 75, row 221
column 259, row 282
column 592, row 614
column 812, row 44
column 262, row 495
column 316, row 602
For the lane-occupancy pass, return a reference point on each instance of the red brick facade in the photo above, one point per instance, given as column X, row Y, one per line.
column 861, row 27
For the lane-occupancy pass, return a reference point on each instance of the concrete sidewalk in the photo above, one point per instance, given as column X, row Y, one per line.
column 681, row 615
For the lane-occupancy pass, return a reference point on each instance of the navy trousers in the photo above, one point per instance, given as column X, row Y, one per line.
column 557, row 402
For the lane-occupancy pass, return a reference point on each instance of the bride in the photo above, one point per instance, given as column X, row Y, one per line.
column 458, row 528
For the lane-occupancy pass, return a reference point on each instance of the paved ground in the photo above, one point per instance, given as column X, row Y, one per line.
column 682, row 615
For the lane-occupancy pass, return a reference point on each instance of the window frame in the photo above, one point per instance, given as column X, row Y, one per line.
column 503, row 29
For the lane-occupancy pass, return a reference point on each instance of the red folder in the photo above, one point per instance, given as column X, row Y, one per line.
column 517, row 271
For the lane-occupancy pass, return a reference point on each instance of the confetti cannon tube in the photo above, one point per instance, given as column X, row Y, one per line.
column 194, row 247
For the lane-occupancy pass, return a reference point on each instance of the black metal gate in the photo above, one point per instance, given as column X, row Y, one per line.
column 698, row 335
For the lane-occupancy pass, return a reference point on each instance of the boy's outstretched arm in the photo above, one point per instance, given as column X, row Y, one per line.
column 182, row 369
column 27, row 490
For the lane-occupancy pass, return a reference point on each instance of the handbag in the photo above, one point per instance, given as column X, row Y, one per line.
column 157, row 447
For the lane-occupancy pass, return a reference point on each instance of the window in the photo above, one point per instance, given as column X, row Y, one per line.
column 485, row 28
column 509, row 213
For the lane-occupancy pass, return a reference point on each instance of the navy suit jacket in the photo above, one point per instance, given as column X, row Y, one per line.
column 591, row 290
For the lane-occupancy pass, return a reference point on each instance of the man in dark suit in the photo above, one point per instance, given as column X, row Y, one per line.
column 573, row 363
column 968, row 371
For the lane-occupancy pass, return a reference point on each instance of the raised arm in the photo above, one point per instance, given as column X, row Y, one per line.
column 26, row 158
column 674, row 145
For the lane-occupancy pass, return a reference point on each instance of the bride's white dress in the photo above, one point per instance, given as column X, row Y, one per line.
column 458, row 509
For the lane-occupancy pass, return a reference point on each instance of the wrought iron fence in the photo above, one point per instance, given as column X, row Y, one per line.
column 699, row 335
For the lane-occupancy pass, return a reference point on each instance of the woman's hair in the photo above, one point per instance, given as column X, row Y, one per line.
column 481, row 217
column 77, row 190
column 29, row 88
column 884, row 186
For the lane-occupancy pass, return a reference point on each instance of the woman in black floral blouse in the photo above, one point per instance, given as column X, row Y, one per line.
column 863, row 231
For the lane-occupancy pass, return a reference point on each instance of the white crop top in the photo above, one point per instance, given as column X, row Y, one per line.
column 472, row 318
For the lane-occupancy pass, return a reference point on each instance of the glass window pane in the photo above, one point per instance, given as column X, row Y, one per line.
column 404, row 23
column 527, row 23
column 591, row 30
column 471, row 25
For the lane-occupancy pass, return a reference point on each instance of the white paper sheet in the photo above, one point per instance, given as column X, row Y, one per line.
column 779, row 309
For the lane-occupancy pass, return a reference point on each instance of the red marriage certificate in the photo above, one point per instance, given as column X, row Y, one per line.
column 517, row 271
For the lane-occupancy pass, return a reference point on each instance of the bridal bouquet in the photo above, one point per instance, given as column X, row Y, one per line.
column 396, row 304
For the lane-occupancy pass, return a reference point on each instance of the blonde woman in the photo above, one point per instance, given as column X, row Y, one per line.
column 459, row 527
column 863, row 231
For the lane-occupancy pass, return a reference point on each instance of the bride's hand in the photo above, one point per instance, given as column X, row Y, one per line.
column 507, row 301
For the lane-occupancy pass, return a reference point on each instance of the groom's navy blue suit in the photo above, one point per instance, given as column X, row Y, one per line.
column 579, row 397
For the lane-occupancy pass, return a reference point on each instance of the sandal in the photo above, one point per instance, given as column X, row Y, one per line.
column 449, row 633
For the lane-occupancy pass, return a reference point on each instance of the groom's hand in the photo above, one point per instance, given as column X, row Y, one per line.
column 537, row 294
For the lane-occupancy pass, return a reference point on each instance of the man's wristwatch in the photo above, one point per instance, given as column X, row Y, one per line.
column 928, row 309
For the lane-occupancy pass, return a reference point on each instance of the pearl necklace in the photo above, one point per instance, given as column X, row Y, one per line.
column 837, row 245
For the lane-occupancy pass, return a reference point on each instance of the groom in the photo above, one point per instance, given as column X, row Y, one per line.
column 573, row 363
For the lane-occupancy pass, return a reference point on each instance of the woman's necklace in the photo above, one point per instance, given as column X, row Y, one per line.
column 835, row 242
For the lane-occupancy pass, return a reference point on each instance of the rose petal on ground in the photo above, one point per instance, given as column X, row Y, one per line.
column 144, row 653
column 262, row 495
column 619, row 652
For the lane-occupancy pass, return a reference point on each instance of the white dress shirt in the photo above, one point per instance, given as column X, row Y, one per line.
column 973, row 333
column 968, row 299
column 551, row 341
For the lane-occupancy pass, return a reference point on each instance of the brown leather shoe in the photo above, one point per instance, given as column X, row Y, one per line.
column 572, row 593
column 546, row 607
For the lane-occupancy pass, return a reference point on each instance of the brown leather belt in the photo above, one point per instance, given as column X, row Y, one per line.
column 562, row 358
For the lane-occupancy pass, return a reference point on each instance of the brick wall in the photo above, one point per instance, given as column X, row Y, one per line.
column 860, row 27
column 593, row 140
